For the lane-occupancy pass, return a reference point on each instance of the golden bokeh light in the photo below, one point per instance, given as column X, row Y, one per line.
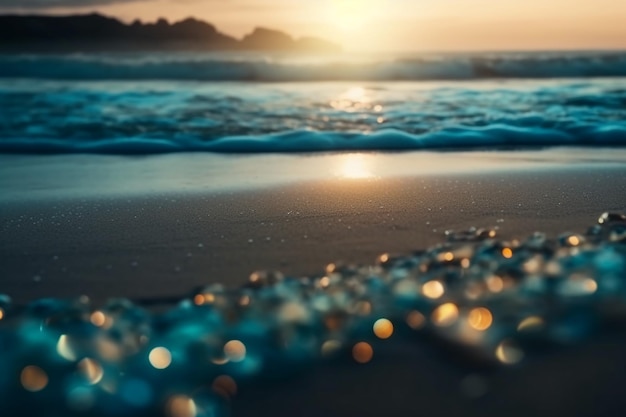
column 324, row 282
column 530, row 323
column 244, row 301
column 495, row 283
column 181, row 406
column 160, row 358
column 208, row 298
column 383, row 328
column 415, row 320
column 98, row 319
column 33, row 378
column 509, row 353
column 235, row 350
column 507, row 253
column 64, row 348
column 362, row 352
column 225, row 386
column 433, row 289
column 330, row 347
column 91, row 370
column 447, row 256
column 590, row 285
column 573, row 240
column 1, row 314
column 480, row 318
column 445, row 315
column 198, row 299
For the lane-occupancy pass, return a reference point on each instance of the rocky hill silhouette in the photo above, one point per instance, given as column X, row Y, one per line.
column 95, row 32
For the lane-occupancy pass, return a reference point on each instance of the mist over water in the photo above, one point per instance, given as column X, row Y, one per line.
column 152, row 103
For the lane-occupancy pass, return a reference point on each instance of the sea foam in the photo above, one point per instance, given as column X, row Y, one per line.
column 125, row 117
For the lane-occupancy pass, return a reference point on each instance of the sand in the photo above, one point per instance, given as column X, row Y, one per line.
column 159, row 245
column 155, row 246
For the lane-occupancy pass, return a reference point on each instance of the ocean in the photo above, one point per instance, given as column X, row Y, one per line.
column 251, row 103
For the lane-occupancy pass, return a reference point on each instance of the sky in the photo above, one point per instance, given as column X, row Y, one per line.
column 386, row 25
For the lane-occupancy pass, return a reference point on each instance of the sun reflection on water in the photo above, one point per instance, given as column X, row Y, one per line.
column 355, row 99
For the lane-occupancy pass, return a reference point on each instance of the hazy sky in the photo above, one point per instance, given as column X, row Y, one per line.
column 391, row 25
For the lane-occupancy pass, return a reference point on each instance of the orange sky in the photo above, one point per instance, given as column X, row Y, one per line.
column 404, row 25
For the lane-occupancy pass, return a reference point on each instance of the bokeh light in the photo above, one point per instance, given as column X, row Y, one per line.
column 64, row 349
column 235, row 350
column 225, row 386
column 530, row 323
column 330, row 347
column 160, row 358
column 509, row 353
column 433, row 289
column 98, row 318
column 362, row 352
column 383, row 328
column 445, row 315
column 181, row 406
column 33, row 378
column 415, row 320
column 91, row 370
column 480, row 318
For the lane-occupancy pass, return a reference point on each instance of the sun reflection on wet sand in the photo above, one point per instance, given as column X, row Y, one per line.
column 355, row 166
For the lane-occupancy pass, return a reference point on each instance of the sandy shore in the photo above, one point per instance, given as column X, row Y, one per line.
column 158, row 245
column 162, row 245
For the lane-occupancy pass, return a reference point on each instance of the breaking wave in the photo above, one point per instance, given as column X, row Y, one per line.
column 490, row 137
column 257, row 68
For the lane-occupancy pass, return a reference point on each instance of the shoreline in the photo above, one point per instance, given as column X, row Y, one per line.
column 164, row 244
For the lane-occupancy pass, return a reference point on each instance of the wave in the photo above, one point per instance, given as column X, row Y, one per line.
column 218, row 68
column 491, row 137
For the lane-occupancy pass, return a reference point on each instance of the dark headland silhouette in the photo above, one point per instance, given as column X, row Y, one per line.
column 95, row 32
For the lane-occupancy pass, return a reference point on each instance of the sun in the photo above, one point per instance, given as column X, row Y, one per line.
column 350, row 15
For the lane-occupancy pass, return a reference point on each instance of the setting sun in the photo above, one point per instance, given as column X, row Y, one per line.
column 350, row 15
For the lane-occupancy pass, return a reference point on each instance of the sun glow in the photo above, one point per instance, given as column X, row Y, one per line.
column 351, row 15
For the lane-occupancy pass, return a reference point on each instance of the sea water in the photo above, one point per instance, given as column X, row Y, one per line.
column 156, row 103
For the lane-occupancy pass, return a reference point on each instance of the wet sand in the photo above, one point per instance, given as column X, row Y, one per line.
column 161, row 246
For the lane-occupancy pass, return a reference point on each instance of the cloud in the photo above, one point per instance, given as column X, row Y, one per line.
column 47, row 4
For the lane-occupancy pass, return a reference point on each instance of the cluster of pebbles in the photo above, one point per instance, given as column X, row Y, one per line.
column 498, row 302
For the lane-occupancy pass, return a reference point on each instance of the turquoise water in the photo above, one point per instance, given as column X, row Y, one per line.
column 250, row 103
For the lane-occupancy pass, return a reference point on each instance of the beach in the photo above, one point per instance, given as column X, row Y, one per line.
column 113, row 232
column 140, row 233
